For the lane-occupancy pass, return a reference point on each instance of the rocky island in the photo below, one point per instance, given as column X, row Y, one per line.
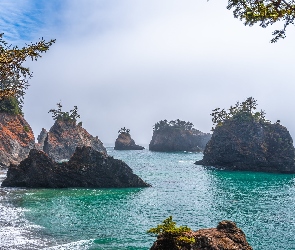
column 226, row 236
column 125, row 142
column 86, row 168
column 65, row 135
column 244, row 140
column 177, row 136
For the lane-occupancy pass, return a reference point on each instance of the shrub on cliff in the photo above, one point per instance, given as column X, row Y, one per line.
column 176, row 124
column 10, row 105
column 168, row 230
column 58, row 114
column 244, row 111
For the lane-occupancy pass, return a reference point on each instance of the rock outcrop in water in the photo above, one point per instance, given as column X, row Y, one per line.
column 63, row 137
column 125, row 142
column 245, row 140
column 86, row 168
column 227, row 236
column 16, row 139
column 252, row 146
column 177, row 136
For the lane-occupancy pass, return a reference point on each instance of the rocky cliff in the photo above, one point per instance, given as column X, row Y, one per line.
column 16, row 139
column 63, row 137
column 227, row 236
column 250, row 145
column 86, row 168
column 125, row 142
column 175, row 139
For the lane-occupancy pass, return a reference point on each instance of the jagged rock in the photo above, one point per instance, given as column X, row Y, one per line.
column 16, row 139
column 63, row 138
column 41, row 139
column 86, row 168
column 227, row 236
column 174, row 139
column 125, row 142
column 250, row 145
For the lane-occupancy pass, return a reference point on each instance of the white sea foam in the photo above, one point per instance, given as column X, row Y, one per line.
column 81, row 245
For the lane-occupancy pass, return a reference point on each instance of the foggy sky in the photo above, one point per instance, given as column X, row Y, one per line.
column 132, row 63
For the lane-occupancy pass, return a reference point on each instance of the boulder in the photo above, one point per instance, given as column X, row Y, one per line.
column 250, row 145
column 86, row 168
column 16, row 139
column 125, row 142
column 63, row 137
column 175, row 139
column 227, row 236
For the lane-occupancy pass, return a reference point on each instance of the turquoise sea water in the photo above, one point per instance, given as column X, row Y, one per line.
column 261, row 204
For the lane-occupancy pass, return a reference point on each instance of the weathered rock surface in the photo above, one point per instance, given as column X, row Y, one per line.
column 16, row 139
column 63, row 137
column 86, row 168
column 227, row 236
column 251, row 146
column 41, row 139
column 125, row 142
column 175, row 139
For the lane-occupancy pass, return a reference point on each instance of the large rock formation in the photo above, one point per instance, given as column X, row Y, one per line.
column 246, row 144
column 86, row 168
column 63, row 137
column 125, row 142
column 171, row 139
column 16, row 139
column 227, row 236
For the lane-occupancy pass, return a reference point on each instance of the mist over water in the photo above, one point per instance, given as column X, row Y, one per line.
column 261, row 204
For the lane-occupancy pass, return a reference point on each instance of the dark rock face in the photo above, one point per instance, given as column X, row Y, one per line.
column 86, row 168
column 125, row 142
column 63, row 138
column 41, row 139
column 16, row 139
column 251, row 146
column 174, row 139
column 227, row 236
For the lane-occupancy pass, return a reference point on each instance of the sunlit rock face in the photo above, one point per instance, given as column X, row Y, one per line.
column 125, row 142
column 174, row 139
column 63, row 137
column 86, row 168
column 16, row 139
column 227, row 236
column 251, row 146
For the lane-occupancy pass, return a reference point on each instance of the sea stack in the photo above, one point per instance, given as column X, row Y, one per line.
column 86, row 168
column 177, row 136
column 245, row 140
column 125, row 142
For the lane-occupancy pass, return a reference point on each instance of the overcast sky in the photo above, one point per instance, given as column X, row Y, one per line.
column 132, row 63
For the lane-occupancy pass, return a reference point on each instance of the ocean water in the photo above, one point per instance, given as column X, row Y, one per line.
column 262, row 205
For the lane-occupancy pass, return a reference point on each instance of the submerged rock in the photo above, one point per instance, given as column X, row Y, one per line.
column 63, row 137
column 169, row 138
column 227, row 236
column 250, row 145
column 16, row 139
column 86, row 168
column 125, row 142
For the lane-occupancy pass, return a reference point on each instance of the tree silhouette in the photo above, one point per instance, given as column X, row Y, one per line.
column 58, row 114
column 124, row 130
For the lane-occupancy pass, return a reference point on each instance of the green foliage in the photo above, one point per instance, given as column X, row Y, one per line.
column 58, row 114
column 265, row 12
column 178, row 124
column 244, row 111
column 124, row 130
column 26, row 129
column 168, row 229
column 13, row 75
column 10, row 105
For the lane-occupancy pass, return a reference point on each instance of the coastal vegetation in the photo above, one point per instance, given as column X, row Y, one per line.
column 124, row 130
column 175, row 124
column 58, row 114
column 168, row 230
column 14, row 75
column 245, row 111
column 265, row 12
